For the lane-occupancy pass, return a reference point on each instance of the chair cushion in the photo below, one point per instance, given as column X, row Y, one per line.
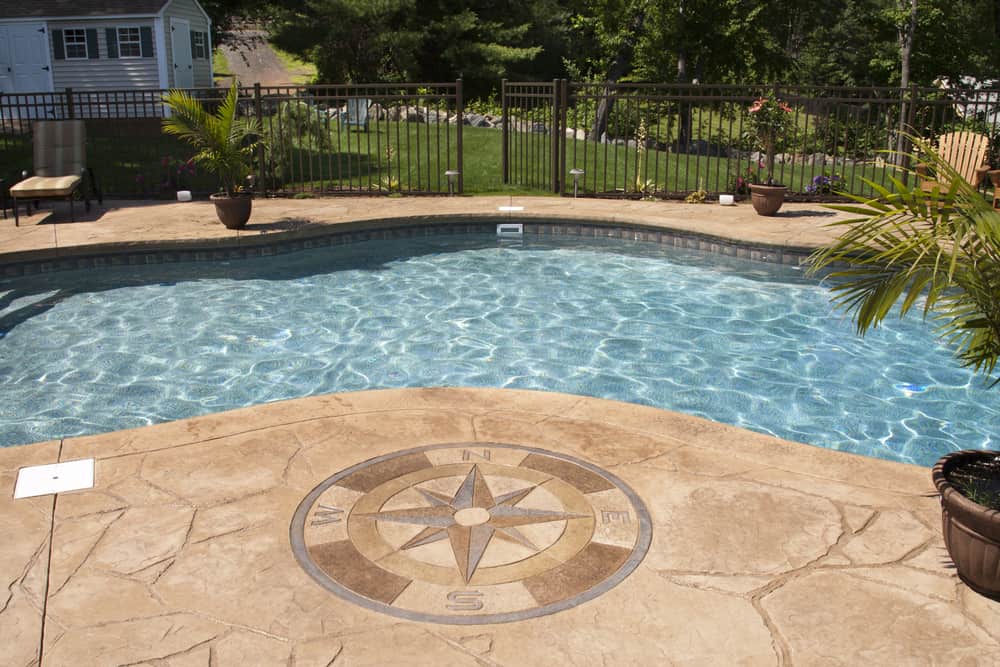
column 45, row 186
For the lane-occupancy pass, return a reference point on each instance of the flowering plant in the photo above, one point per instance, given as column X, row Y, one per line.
column 824, row 184
column 768, row 119
column 174, row 171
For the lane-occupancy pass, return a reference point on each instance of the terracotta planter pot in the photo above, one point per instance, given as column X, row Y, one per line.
column 971, row 531
column 767, row 199
column 233, row 212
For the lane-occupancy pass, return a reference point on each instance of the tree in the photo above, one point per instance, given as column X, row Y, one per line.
column 364, row 41
column 356, row 41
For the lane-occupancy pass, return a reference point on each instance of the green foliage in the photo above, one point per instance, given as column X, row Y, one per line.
column 848, row 136
column 224, row 143
column 768, row 119
column 364, row 41
column 978, row 479
column 938, row 251
column 840, row 42
column 295, row 123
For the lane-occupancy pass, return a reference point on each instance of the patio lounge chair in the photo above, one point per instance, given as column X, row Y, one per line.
column 357, row 112
column 60, row 166
column 966, row 152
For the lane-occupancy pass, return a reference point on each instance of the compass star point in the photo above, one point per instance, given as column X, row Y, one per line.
column 469, row 543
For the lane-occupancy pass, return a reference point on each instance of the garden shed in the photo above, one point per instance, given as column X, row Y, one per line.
column 51, row 45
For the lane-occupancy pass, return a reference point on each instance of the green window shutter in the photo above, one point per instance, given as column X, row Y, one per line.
column 57, row 45
column 146, row 41
column 92, row 52
column 208, row 51
column 111, row 35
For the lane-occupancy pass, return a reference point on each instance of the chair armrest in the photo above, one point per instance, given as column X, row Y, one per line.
column 981, row 172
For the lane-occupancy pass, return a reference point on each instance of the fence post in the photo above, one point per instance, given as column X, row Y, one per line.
column 563, row 114
column 258, row 113
column 70, row 111
column 504, row 133
column 459, row 121
column 554, row 129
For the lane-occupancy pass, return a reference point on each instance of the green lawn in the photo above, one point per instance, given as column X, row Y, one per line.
column 420, row 153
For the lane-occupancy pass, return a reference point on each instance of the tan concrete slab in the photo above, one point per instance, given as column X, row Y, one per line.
column 182, row 555
column 25, row 525
column 134, row 225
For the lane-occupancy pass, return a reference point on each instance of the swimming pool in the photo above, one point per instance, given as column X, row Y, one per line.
column 747, row 343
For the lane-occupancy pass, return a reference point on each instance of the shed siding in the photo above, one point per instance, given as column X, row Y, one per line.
column 103, row 72
column 189, row 11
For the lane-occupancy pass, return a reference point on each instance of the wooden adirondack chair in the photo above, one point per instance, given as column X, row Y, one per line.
column 966, row 152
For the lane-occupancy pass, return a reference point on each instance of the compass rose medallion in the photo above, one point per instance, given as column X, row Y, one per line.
column 470, row 533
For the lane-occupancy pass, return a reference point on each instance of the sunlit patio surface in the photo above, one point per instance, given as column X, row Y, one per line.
column 447, row 526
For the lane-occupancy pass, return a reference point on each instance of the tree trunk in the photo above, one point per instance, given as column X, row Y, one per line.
column 906, row 34
column 683, row 110
column 620, row 66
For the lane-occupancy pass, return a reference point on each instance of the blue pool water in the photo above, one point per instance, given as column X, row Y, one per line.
column 739, row 342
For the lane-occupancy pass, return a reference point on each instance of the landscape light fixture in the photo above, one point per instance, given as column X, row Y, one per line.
column 451, row 174
column 577, row 173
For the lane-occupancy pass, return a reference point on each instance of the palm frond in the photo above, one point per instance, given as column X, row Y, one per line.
column 225, row 143
column 907, row 246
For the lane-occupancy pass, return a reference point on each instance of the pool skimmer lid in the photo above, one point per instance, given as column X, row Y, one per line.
column 470, row 533
column 54, row 478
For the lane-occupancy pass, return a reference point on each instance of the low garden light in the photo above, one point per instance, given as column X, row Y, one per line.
column 452, row 174
column 576, row 174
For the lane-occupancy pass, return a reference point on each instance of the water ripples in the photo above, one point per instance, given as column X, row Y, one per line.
column 748, row 344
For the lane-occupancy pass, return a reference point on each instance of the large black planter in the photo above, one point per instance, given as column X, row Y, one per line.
column 971, row 531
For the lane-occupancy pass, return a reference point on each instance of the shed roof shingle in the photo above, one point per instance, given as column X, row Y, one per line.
column 90, row 8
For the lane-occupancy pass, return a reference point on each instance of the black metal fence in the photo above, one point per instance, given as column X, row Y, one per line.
column 619, row 140
column 664, row 140
column 320, row 140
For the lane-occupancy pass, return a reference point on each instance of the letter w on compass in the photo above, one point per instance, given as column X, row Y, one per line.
column 470, row 519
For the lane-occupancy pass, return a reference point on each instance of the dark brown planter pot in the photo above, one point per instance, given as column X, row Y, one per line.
column 767, row 199
column 971, row 531
column 233, row 212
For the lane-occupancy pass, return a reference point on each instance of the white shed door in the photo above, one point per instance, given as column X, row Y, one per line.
column 24, row 59
column 180, row 46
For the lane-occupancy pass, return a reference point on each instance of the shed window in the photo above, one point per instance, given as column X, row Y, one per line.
column 199, row 45
column 75, row 42
column 129, row 44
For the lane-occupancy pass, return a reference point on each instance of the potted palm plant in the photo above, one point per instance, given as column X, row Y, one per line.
column 225, row 146
column 767, row 121
column 938, row 251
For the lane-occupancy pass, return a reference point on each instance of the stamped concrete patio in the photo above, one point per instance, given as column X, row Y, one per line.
column 610, row 533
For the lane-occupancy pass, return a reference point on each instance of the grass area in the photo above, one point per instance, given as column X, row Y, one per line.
column 337, row 157
column 220, row 67
column 303, row 73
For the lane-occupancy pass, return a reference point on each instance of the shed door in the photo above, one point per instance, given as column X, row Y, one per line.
column 24, row 58
column 180, row 46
